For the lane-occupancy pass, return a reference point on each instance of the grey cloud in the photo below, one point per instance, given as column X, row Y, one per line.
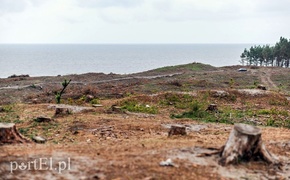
column 170, row 12
column 12, row 6
column 17, row 6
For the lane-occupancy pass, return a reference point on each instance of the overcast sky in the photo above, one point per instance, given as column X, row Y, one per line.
column 144, row 21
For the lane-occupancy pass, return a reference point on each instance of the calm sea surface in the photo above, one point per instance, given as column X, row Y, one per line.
column 62, row 59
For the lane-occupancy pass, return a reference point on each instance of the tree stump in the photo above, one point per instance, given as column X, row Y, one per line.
column 43, row 119
column 212, row 108
column 262, row 87
column 9, row 134
column 177, row 130
column 115, row 109
column 244, row 144
column 38, row 139
column 59, row 111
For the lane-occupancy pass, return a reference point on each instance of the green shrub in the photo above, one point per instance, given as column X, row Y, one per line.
column 180, row 101
column 24, row 131
column 196, row 111
column 8, row 108
column 273, row 111
column 58, row 95
column 270, row 122
column 95, row 101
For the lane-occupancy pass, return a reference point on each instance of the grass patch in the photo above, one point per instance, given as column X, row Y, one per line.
column 133, row 105
column 24, row 131
column 179, row 101
column 198, row 112
column 8, row 108
column 9, row 115
column 276, row 102
column 36, row 128
column 95, row 101
column 272, row 111
column 191, row 66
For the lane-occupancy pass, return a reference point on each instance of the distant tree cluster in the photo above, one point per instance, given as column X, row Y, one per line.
column 266, row 55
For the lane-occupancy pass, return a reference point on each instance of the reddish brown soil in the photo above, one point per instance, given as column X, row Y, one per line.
column 101, row 144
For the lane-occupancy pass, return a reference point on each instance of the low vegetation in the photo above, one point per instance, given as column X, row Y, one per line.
column 127, row 113
column 133, row 105
column 182, row 102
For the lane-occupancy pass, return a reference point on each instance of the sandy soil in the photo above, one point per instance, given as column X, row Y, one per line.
column 105, row 144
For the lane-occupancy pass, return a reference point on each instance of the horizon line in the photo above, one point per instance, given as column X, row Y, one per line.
column 131, row 43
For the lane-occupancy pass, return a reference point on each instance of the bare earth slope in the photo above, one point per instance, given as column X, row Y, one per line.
column 130, row 141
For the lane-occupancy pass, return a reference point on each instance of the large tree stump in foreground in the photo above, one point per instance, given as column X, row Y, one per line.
column 245, row 143
column 9, row 134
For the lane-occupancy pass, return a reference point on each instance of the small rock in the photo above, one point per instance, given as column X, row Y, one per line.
column 97, row 105
column 168, row 162
column 39, row 139
column 75, row 132
column 195, row 127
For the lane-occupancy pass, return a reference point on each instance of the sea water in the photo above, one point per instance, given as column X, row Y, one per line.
column 63, row 59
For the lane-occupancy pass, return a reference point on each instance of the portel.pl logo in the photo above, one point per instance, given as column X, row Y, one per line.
column 41, row 164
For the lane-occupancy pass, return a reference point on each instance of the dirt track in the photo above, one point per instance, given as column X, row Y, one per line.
column 265, row 76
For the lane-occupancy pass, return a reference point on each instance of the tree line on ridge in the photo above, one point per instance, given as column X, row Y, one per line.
column 266, row 55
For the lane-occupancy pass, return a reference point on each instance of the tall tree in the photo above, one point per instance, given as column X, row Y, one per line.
column 278, row 55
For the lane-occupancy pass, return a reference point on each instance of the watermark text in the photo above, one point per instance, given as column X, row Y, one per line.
column 41, row 164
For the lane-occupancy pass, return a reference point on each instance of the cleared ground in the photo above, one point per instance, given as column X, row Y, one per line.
column 130, row 143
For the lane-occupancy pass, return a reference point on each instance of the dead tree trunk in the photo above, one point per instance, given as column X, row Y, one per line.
column 9, row 134
column 245, row 143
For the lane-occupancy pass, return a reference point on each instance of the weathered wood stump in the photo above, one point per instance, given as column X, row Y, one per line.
column 59, row 111
column 38, row 139
column 43, row 119
column 244, row 144
column 262, row 87
column 9, row 134
column 212, row 108
column 115, row 109
column 177, row 130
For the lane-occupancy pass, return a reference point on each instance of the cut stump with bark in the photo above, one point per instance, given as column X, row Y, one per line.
column 244, row 144
column 43, row 119
column 212, row 108
column 9, row 134
column 59, row 111
column 177, row 130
